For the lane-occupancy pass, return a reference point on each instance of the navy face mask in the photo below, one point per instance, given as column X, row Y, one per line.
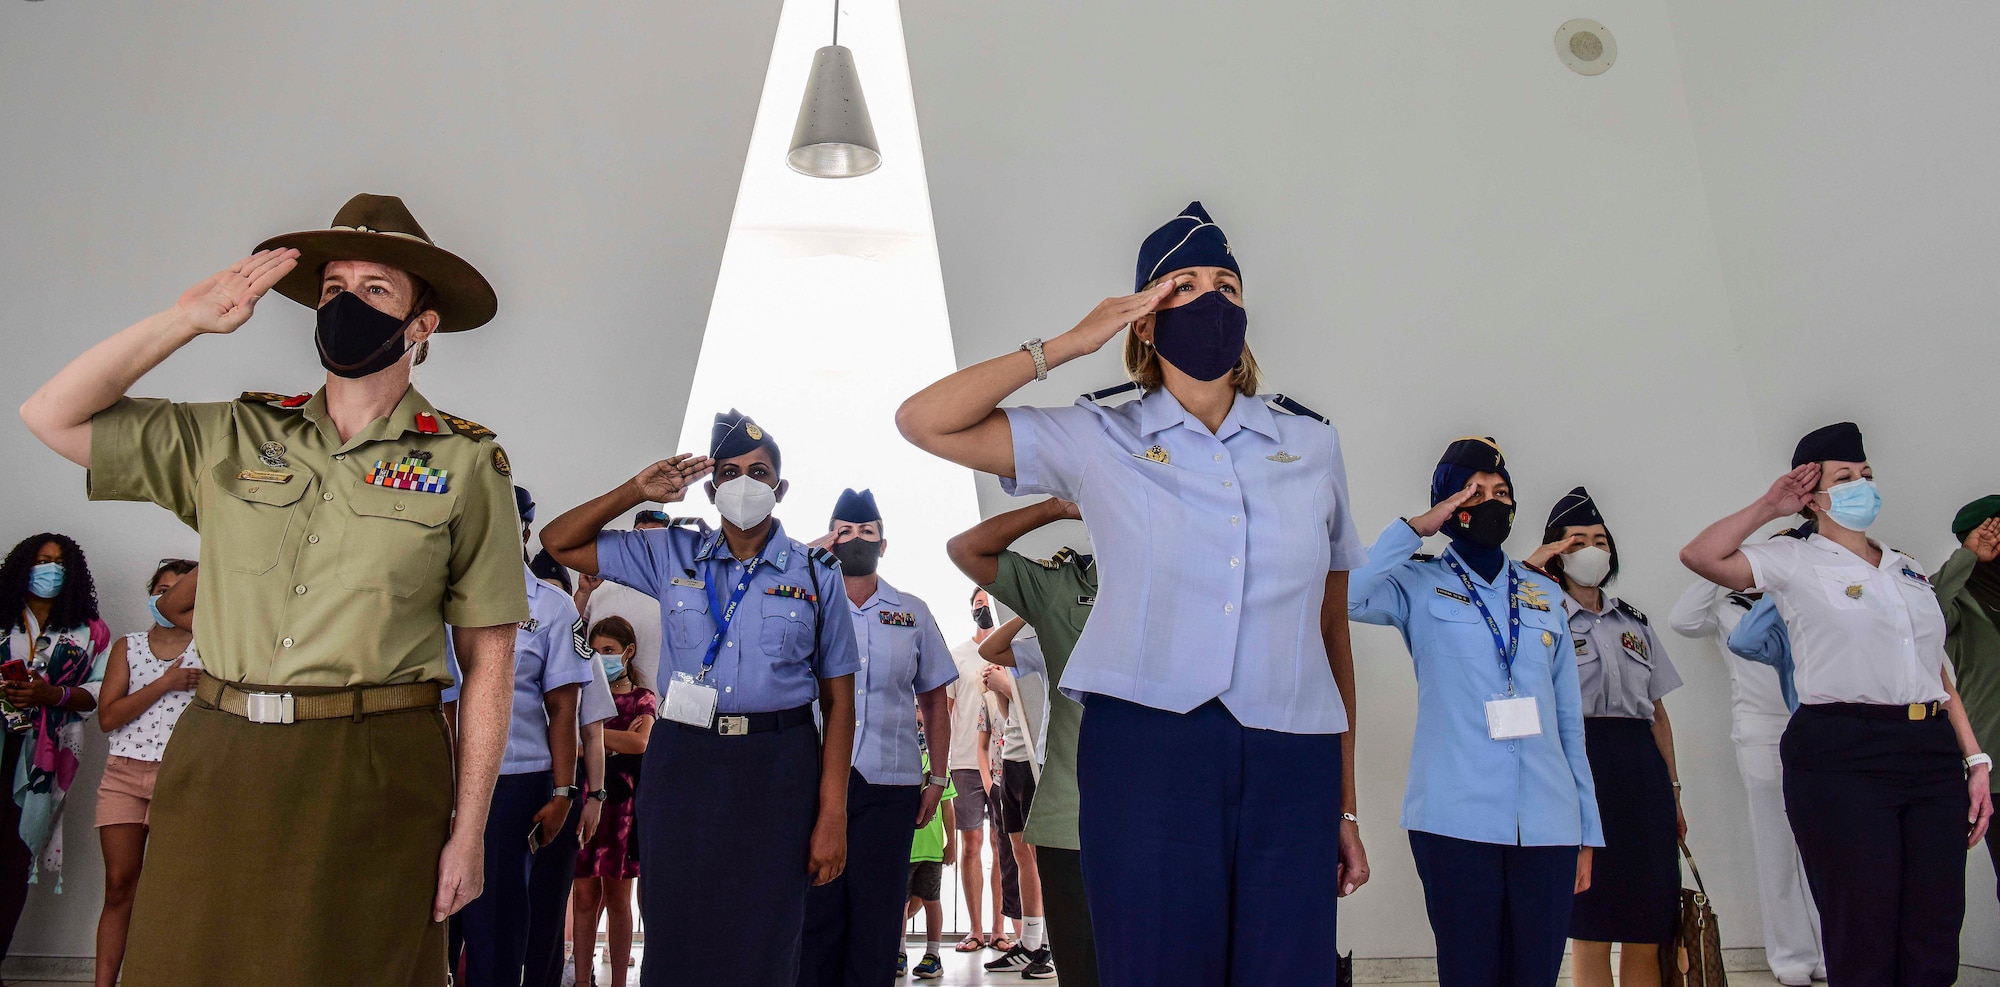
column 357, row 339
column 1204, row 338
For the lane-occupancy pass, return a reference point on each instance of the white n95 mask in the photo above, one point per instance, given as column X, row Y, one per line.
column 1587, row 566
column 745, row 502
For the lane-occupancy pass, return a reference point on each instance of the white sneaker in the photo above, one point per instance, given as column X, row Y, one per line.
column 569, row 975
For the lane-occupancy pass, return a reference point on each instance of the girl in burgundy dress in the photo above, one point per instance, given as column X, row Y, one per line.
column 607, row 865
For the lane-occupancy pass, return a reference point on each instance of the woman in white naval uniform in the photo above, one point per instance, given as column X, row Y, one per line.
column 1216, row 814
column 1758, row 715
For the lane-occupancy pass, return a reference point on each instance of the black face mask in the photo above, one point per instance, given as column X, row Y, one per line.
column 983, row 616
column 1487, row 523
column 858, row 557
column 357, row 339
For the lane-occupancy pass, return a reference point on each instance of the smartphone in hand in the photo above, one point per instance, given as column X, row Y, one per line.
column 535, row 839
column 14, row 671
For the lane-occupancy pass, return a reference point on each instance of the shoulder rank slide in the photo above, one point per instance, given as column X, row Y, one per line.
column 469, row 429
column 789, row 592
column 1633, row 612
column 410, row 473
column 1112, row 391
column 897, row 618
column 1281, row 403
column 283, row 402
column 824, row 557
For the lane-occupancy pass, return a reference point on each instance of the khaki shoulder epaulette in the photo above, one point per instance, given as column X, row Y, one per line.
column 469, row 429
column 282, row 402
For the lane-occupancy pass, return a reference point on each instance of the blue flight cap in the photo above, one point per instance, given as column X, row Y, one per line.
column 1190, row 239
column 734, row 434
column 855, row 507
column 524, row 503
column 1576, row 508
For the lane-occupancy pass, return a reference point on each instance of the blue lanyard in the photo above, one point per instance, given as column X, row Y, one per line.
column 722, row 616
column 1511, row 644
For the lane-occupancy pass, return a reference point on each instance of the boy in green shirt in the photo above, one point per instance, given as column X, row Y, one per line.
column 935, row 845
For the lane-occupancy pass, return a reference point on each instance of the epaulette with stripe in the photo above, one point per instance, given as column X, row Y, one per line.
column 1281, row 403
column 824, row 557
column 469, row 429
column 1634, row 612
column 1423, row 557
column 1113, row 391
column 282, row 402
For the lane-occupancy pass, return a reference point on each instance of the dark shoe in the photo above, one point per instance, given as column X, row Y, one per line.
column 1039, row 967
column 902, row 964
column 1009, row 962
column 930, row 969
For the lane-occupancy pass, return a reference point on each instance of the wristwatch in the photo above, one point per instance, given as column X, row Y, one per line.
column 940, row 782
column 566, row 792
column 598, row 796
column 1350, row 817
column 1978, row 759
column 1034, row 348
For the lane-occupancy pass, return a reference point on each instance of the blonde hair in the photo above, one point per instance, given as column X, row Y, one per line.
column 1142, row 364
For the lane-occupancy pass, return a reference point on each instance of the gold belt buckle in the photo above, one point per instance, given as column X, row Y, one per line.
column 268, row 707
column 1919, row 711
column 732, row 726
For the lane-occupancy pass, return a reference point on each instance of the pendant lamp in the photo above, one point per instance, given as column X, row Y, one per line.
column 834, row 137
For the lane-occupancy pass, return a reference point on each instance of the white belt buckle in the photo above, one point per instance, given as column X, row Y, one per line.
column 268, row 707
column 732, row 726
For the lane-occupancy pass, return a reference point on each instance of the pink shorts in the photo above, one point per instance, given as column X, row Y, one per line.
column 126, row 795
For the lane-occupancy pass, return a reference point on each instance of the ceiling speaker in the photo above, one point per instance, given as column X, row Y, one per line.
column 1586, row 46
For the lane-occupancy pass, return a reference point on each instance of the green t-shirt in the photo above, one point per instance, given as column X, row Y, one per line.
column 929, row 842
column 1055, row 597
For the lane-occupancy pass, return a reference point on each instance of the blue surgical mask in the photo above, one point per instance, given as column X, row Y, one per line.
column 46, row 579
column 614, row 666
column 153, row 605
column 1854, row 505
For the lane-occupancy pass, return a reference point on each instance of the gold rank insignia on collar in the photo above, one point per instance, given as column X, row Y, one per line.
column 1156, row 454
column 897, row 618
column 1282, row 457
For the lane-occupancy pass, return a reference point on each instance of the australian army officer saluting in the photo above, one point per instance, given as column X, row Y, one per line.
column 304, row 830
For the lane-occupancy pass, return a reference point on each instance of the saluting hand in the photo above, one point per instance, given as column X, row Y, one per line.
column 668, row 480
column 1432, row 521
column 226, row 299
column 1112, row 315
column 1984, row 541
column 1561, row 546
column 1793, row 491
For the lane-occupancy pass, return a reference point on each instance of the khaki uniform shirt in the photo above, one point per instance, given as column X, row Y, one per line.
column 311, row 575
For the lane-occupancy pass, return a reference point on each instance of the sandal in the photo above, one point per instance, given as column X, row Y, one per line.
column 1004, row 943
column 972, row 943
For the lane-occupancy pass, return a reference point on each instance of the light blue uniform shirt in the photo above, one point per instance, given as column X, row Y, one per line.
column 545, row 660
column 1532, row 791
column 902, row 654
column 768, row 660
column 1212, row 548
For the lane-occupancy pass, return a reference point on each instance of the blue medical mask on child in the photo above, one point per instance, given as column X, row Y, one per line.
column 153, row 605
column 614, row 666
column 1854, row 505
column 46, row 579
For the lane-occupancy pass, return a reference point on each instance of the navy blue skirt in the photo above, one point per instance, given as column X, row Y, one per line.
column 1635, row 878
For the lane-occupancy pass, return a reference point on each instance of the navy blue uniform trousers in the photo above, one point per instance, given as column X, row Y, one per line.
column 495, row 924
column 854, row 923
column 725, row 830
column 1878, row 808
column 1210, row 850
column 1500, row 913
column 550, row 877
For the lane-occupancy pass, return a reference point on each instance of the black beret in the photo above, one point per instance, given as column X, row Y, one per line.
column 735, row 434
column 855, row 507
column 1190, row 239
column 1576, row 508
column 1840, row 443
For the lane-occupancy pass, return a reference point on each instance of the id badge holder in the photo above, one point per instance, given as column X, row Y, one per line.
column 690, row 702
column 1512, row 717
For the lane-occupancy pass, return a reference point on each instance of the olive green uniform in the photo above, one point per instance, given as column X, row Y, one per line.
column 307, row 852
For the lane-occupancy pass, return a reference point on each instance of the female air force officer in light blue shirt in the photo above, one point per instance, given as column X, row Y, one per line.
column 1500, row 797
column 1215, row 670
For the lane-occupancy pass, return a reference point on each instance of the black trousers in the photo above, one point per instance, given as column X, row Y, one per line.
column 854, row 923
column 1070, row 938
column 1878, row 807
column 15, row 860
column 725, row 829
column 1500, row 913
column 550, row 876
column 495, row 924
column 1010, row 870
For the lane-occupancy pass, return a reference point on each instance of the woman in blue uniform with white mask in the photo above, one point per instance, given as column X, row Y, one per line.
column 1217, row 798
column 1501, row 808
column 1885, row 784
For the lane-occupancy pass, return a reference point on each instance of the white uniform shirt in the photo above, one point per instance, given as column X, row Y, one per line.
column 1860, row 633
column 1757, row 706
column 611, row 599
column 966, row 701
column 1212, row 551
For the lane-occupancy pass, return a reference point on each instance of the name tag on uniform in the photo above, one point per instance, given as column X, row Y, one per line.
column 690, row 702
column 1512, row 719
column 265, row 476
column 689, row 583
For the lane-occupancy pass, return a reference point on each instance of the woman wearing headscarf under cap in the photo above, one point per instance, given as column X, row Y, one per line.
column 1878, row 797
column 1622, row 671
column 1501, row 809
column 1216, row 794
column 1968, row 587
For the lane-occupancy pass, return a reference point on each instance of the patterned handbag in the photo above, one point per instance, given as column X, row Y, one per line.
column 1693, row 958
